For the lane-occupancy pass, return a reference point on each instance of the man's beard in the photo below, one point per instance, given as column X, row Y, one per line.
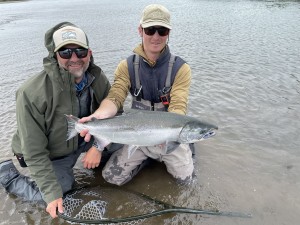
column 77, row 73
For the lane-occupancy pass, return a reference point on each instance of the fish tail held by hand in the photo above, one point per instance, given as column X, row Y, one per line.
column 72, row 120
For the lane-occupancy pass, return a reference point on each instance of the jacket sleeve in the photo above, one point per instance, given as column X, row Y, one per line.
column 180, row 90
column 121, row 85
column 32, row 133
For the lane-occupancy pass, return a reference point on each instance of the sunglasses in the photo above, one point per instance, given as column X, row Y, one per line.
column 162, row 31
column 66, row 53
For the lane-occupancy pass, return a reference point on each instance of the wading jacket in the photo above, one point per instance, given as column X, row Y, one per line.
column 41, row 103
column 180, row 87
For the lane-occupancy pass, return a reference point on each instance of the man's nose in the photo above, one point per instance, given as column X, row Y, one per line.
column 74, row 56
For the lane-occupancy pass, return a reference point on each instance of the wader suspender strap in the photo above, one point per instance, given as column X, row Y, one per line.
column 137, row 77
column 164, row 94
column 167, row 87
column 138, row 86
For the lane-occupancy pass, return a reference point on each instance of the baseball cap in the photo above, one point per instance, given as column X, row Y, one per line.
column 155, row 15
column 69, row 35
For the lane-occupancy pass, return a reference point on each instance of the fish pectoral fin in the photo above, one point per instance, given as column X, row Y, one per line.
column 102, row 142
column 171, row 146
column 131, row 150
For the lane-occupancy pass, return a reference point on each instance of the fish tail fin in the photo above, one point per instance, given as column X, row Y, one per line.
column 71, row 120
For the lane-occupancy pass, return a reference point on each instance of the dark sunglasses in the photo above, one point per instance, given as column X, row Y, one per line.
column 66, row 53
column 162, row 31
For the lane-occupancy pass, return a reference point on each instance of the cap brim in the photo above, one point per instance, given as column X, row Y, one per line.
column 151, row 24
column 70, row 42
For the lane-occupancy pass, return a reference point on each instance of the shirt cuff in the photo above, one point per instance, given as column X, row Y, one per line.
column 97, row 146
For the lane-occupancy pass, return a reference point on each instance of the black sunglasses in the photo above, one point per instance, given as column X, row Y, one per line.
column 162, row 31
column 66, row 53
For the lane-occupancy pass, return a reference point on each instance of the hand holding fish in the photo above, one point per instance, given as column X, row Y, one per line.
column 107, row 109
column 85, row 132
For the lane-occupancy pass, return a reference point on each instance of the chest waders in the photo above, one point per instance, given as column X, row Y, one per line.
column 137, row 91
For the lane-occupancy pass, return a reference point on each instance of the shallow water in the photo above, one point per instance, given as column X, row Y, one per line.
column 245, row 61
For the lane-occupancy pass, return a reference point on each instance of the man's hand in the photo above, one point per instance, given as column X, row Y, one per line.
column 85, row 132
column 106, row 109
column 52, row 206
column 92, row 158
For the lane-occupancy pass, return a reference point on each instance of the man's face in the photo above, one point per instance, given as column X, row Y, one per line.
column 154, row 43
column 76, row 66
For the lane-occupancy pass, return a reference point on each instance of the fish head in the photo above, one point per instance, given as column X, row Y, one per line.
column 195, row 131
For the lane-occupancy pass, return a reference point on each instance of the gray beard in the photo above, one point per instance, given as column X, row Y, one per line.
column 77, row 73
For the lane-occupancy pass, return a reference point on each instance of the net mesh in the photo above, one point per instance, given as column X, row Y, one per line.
column 93, row 209
column 100, row 203
column 71, row 204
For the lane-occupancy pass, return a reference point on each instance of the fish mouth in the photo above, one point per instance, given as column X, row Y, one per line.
column 209, row 134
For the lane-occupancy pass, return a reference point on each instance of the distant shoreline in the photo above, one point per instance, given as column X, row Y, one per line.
column 2, row 1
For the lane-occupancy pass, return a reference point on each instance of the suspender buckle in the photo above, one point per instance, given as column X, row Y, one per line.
column 166, row 90
column 165, row 99
column 164, row 96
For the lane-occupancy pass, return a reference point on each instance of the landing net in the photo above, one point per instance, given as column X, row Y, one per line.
column 104, row 205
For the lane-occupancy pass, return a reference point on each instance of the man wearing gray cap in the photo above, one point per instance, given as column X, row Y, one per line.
column 156, row 80
column 70, row 83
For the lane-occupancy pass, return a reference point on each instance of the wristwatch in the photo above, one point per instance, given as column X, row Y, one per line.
column 96, row 145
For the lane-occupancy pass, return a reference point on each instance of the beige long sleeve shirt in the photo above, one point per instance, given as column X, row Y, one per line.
column 179, row 92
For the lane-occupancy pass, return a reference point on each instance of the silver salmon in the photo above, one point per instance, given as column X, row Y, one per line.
column 144, row 128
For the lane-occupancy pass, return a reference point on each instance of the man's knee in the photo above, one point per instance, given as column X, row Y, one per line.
column 120, row 174
column 182, row 173
column 185, row 180
column 114, row 178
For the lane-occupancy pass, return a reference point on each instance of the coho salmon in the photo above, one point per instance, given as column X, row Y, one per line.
column 144, row 128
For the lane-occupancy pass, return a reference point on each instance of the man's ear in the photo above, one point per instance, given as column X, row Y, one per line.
column 140, row 31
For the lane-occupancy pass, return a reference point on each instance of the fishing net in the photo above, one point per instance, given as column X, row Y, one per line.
column 106, row 205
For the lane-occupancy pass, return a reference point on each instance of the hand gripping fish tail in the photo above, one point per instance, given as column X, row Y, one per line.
column 72, row 120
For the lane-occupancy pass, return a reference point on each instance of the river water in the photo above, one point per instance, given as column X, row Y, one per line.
column 245, row 59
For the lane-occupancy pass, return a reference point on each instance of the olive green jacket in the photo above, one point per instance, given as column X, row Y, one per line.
column 41, row 103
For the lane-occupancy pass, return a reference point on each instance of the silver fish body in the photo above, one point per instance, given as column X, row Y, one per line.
column 144, row 128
